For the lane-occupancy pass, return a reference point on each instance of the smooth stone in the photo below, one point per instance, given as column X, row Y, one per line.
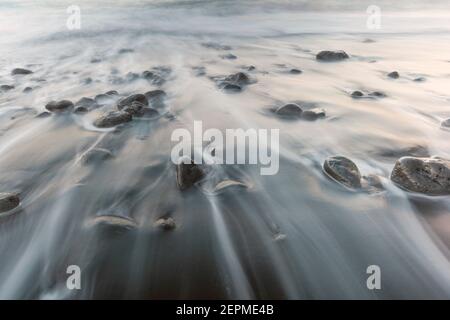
column 21, row 71
column 8, row 201
column 229, row 56
column 394, row 75
column 59, row 106
column 188, row 174
column 165, row 224
column 251, row 68
column 153, row 77
column 295, row 71
column 130, row 99
column 430, row 176
column 225, row 184
column 27, row 90
column 332, row 56
column 357, row 94
column 112, row 93
column 377, row 94
column 6, row 87
column 126, row 50
column 344, row 171
column 155, row 94
column 96, row 155
column 111, row 224
column 313, row 114
column 112, row 119
column 290, row 109
column 372, row 182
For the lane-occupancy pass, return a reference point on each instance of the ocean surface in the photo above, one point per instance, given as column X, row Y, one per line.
column 293, row 235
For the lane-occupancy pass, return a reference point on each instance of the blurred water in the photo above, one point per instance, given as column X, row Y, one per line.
column 293, row 235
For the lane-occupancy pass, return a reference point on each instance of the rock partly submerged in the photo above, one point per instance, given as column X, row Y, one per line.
column 112, row 119
column 21, row 71
column 430, row 176
column 111, row 224
column 331, row 56
column 394, row 75
column 344, row 171
column 8, row 201
column 165, row 224
column 96, row 155
column 141, row 98
column 59, row 106
column 289, row 110
column 188, row 173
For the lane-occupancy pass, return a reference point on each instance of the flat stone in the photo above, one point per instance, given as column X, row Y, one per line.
column 343, row 171
column 8, row 201
column 430, row 176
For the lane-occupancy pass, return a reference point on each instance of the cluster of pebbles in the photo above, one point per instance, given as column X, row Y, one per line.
column 425, row 175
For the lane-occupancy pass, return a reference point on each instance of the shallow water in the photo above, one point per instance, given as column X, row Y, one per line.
column 292, row 235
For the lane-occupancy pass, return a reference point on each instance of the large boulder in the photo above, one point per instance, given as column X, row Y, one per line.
column 112, row 119
column 8, row 201
column 343, row 171
column 430, row 176
column 332, row 56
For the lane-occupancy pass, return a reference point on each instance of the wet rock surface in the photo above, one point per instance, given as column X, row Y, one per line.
column 8, row 201
column 6, row 87
column 21, row 71
column 188, row 174
column 313, row 114
column 130, row 99
column 289, row 110
column 331, row 56
column 166, row 224
column 235, row 82
column 96, row 155
column 343, row 171
column 113, row 118
column 430, row 176
column 59, row 106
column 394, row 75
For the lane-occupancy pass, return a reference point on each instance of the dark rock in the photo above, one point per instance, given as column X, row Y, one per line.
column 430, row 176
column 135, row 108
column 165, row 224
column 445, row 124
column 59, row 106
column 229, row 56
column 130, row 99
column 377, row 94
column 126, row 50
column 420, row 79
column 290, row 109
column 153, row 77
column 231, row 87
column 394, row 75
column 6, row 87
column 96, row 60
column 112, row 93
column 111, row 224
column 81, row 110
column 8, row 201
column 344, row 171
column 357, row 94
column 239, row 79
column 313, row 114
column 188, row 174
column 21, row 71
column 372, row 182
column 96, row 155
column 112, row 119
column 295, row 71
column 332, row 56
column 27, row 90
